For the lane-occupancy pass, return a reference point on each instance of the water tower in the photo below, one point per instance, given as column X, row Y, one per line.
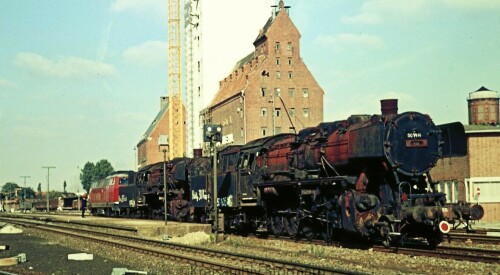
column 483, row 107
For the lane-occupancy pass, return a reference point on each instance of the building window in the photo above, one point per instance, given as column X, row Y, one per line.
column 263, row 131
column 277, row 92
column 305, row 92
column 278, row 61
column 292, row 112
column 263, row 111
column 277, row 112
column 263, row 92
column 277, row 45
column 305, row 112
column 278, row 75
column 290, row 61
column 290, row 75
column 289, row 46
column 291, row 92
column 277, row 130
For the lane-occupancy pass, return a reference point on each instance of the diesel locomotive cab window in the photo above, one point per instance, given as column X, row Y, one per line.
column 123, row 181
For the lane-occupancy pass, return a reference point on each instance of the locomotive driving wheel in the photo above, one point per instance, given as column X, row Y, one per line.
column 291, row 225
column 434, row 238
column 307, row 229
column 276, row 225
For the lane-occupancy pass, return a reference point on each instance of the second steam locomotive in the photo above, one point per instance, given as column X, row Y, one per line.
column 366, row 176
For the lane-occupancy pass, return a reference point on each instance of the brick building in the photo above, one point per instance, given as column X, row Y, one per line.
column 475, row 177
column 151, row 145
column 269, row 91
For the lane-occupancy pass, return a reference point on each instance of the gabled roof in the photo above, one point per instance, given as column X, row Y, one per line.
column 243, row 61
column 153, row 125
column 262, row 33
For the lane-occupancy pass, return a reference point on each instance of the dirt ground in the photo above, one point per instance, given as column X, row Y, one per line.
column 47, row 257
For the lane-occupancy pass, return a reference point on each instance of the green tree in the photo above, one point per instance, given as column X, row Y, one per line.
column 87, row 175
column 92, row 172
column 39, row 189
column 64, row 187
column 102, row 169
column 9, row 187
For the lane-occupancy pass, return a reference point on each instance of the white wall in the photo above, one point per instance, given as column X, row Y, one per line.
column 229, row 28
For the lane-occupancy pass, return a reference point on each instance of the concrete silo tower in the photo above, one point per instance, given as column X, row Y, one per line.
column 483, row 107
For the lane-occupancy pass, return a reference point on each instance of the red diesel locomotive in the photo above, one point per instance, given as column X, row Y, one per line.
column 114, row 194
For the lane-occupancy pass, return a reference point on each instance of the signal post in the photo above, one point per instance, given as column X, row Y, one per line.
column 213, row 134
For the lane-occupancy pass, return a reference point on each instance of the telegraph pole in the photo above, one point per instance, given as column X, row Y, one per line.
column 48, row 183
column 25, row 177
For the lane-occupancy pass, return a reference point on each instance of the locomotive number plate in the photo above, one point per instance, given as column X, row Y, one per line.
column 416, row 143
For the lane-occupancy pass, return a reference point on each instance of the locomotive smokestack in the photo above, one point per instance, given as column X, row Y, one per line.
column 389, row 106
column 197, row 153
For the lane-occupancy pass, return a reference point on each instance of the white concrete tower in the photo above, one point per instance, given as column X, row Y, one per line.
column 218, row 34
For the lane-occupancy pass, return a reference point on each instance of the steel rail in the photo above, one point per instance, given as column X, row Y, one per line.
column 243, row 264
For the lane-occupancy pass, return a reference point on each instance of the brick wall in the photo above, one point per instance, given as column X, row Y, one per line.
column 454, row 168
column 148, row 151
column 484, row 154
column 247, row 103
column 491, row 212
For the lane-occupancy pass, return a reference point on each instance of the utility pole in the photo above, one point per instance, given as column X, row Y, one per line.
column 25, row 177
column 48, row 183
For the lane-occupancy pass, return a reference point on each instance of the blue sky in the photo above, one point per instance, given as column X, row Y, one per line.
column 80, row 80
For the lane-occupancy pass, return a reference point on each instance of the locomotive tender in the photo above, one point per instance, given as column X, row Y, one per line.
column 367, row 176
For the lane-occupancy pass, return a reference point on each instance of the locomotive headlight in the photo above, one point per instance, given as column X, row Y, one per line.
column 209, row 129
column 219, row 129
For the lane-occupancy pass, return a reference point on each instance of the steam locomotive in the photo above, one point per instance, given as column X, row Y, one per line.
column 367, row 176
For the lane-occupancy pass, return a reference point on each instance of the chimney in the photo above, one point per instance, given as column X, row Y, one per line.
column 389, row 107
column 163, row 102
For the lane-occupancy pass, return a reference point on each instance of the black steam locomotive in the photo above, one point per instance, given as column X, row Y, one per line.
column 367, row 176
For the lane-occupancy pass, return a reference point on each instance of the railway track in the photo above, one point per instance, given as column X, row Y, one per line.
column 473, row 238
column 205, row 258
column 448, row 252
column 443, row 251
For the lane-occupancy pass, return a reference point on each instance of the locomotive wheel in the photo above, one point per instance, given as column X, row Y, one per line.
column 326, row 234
column 307, row 229
column 291, row 226
column 276, row 223
column 385, row 233
column 434, row 239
